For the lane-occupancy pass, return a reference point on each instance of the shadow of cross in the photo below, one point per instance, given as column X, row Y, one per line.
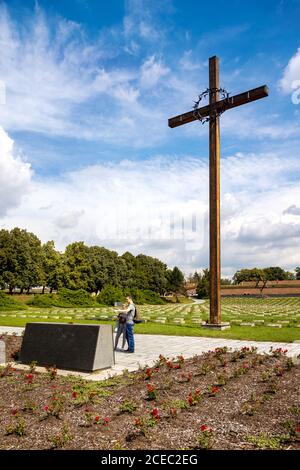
column 212, row 112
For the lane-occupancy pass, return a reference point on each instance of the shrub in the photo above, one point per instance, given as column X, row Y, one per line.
column 64, row 298
column 8, row 303
column 111, row 294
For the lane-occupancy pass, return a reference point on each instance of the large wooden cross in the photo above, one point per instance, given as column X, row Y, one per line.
column 212, row 112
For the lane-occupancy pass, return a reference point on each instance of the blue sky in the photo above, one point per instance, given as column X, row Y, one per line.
column 89, row 86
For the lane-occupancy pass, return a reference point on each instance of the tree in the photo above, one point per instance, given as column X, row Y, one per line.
column 151, row 273
column 275, row 273
column 21, row 259
column 194, row 278
column 175, row 279
column 246, row 275
column 203, row 289
column 77, row 266
column 298, row 272
column 225, row 282
column 53, row 268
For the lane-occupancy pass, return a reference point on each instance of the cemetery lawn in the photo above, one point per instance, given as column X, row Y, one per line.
column 269, row 319
column 174, row 405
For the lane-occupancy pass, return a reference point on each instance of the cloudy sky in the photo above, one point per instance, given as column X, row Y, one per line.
column 86, row 89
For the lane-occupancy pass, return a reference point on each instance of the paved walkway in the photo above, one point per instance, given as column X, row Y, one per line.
column 149, row 347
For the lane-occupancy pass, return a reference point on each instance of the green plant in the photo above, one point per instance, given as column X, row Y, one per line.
column 61, row 438
column 65, row 298
column 128, row 406
column 205, row 438
column 248, row 409
column 9, row 303
column 18, row 427
column 32, row 366
column 56, row 405
column 151, row 392
column 29, row 405
column 221, row 380
column 51, row 372
column 263, row 441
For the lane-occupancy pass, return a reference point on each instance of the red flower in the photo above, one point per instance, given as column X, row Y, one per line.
column 74, row 395
column 170, row 364
column 97, row 418
column 14, row 412
column 106, row 420
column 203, row 428
column 150, row 388
column 190, row 399
column 29, row 378
column 215, row 389
column 298, row 429
column 155, row 414
column 137, row 422
column 46, row 408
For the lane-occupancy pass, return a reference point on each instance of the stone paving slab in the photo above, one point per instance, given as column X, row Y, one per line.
column 149, row 347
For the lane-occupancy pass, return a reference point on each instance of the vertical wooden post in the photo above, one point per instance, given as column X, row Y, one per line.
column 214, row 196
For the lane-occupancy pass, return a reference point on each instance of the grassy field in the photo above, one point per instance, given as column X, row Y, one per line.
column 273, row 319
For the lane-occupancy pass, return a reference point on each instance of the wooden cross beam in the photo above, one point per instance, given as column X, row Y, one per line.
column 212, row 110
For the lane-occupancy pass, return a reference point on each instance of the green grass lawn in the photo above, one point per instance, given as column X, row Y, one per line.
column 185, row 319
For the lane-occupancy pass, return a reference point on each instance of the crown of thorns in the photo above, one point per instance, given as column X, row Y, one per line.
column 213, row 113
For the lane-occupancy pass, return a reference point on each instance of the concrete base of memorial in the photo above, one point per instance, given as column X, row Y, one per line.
column 219, row 326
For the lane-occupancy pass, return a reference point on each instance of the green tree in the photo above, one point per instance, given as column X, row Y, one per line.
column 151, row 273
column 275, row 273
column 21, row 259
column 297, row 272
column 203, row 288
column 77, row 266
column 53, row 267
column 246, row 275
column 175, row 280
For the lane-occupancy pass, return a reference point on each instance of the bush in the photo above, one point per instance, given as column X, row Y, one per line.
column 64, row 298
column 111, row 294
column 8, row 303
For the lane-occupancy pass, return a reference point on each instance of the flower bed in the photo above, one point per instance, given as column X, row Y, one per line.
column 219, row 400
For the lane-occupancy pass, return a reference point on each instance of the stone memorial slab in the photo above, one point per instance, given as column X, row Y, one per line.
column 68, row 346
column 2, row 352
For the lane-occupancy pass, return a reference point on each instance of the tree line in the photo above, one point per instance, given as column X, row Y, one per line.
column 258, row 275
column 25, row 263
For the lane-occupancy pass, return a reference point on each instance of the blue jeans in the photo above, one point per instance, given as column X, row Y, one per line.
column 130, row 337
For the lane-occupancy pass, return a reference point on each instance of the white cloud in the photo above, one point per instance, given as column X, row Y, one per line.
column 188, row 63
column 15, row 174
column 159, row 206
column 152, row 71
column 291, row 75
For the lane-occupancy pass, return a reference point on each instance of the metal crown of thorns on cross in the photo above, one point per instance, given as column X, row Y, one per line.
column 211, row 113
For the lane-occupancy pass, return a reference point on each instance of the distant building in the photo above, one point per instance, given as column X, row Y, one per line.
column 254, row 289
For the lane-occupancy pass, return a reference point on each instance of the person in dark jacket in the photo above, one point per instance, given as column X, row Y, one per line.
column 130, row 312
column 121, row 330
